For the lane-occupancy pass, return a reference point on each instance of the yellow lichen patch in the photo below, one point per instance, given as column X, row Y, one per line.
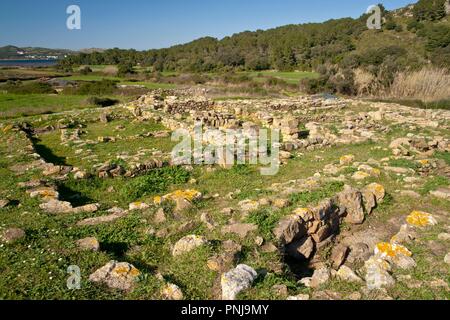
column 360, row 175
column 424, row 162
column 391, row 250
column 312, row 183
column 124, row 271
column 157, row 200
column 305, row 213
column 7, row 128
column 375, row 172
column 213, row 265
column 420, row 219
column 347, row 159
column 134, row 272
column 184, row 194
column 377, row 189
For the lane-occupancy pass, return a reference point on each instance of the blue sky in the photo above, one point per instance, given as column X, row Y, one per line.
column 146, row 24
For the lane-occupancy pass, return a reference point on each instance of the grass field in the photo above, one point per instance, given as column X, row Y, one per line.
column 122, row 81
column 18, row 105
column 289, row 77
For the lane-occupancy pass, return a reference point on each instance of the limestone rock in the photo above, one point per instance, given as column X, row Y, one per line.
column 138, row 206
column 187, row 244
column 289, row 229
column 351, row 199
column 4, row 203
column 12, row 235
column 301, row 249
column 338, row 256
column 447, row 258
column 360, row 175
column 249, row 205
column 171, row 292
column 377, row 190
column 405, row 234
column 241, row 229
column 56, row 206
column 160, row 216
column 347, row 159
column 346, row 274
column 442, row 193
column 116, row 275
column 320, row 277
column 377, row 273
column 299, row 297
column 281, row 203
column 237, row 280
column 359, row 252
column 206, row 218
column 421, row 219
column 89, row 243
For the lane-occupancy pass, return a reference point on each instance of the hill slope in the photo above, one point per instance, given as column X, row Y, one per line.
column 411, row 36
column 13, row 52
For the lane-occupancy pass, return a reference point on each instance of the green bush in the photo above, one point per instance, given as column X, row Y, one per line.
column 86, row 70
column 430, row 10
column 125, row 69
column 18, row 87
column 102, row 102
column 97, row 88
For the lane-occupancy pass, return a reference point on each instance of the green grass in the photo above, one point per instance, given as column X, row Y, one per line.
column 404, row 163
column 16, row 105
column 122, row 81
column 308, row 198
column 434, row 183
column 289, row 77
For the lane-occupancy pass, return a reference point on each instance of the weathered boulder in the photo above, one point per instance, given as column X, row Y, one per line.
column 301, row 249
column 289, row 228
column 346, row 274
column 377, row 273
column 90, row 243
column 241, row 229
column 320, row 277
column 338, row 255
column 351, row 199
column 171, row 292
column 116, row 275
column 442, row 193
column 4, row 203
column 187, row 244
column 12, row 235
column 237, row 280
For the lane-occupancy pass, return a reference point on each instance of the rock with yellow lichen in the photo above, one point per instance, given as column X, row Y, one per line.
column 305, row 213
column 182, row 198
column 116, row 275
column 237, row 280
column 421, row 219
column 89, row 243
column 388, row 250
column 378, row 190
column 249, row 205
column 138, row 206
column 396, row 253
column 172, row 292
column 7, row 128
column 187, row 244
column 360, row 175
column 347, row 159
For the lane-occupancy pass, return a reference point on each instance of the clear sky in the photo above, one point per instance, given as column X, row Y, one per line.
column 146, row 24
